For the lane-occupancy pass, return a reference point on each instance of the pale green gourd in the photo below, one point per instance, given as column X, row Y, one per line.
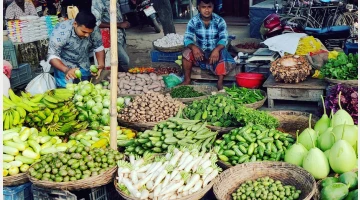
column 296, row 153
column 341, row 116
column 350, row 133
column 306, row 137
column 326, row 140
column 324, row 122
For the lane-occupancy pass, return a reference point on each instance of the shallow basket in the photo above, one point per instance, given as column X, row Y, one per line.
column 243, row 41
column 169, row 49
column 288, row 174
column 197, row 195
column 291, row 121
column 17, row 179
column 206, row 89
column 91, row 182
column 139, row 126
column 351, row 83
column 257, row 104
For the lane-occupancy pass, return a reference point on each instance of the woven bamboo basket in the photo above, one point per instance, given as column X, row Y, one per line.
column 288, row 174
column 169, row 49
column 220, row 130
column 197, row 195
column 243, row 41
column 91, row 182
column 139, row 126
column 205, row 89
column 350, row 83
column 318, row 184
column 258, row 104
column 291, row 121
column 17, row 179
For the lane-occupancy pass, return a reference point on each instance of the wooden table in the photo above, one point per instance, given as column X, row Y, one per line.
column 309, row 90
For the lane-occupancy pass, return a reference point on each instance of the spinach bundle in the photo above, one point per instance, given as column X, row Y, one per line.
column 185, row 92
column 342, row 68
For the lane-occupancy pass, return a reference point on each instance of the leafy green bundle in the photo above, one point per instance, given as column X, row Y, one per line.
column 342, row 68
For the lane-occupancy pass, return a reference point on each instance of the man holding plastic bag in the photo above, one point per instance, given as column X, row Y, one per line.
column 69, row 48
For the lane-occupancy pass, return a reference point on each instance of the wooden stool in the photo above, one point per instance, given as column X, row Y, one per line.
column 309, row 90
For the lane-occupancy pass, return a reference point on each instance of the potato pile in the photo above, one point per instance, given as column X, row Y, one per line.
column 139, row 83
column 150, row 107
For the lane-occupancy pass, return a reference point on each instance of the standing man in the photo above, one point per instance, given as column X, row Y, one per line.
column 101, row 10
column 19, row 8
column 205, row 38
column 70, row 45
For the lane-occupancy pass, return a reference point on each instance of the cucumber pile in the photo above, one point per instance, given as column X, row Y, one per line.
column 253, row 143
column 175, row 131
column 344, row 187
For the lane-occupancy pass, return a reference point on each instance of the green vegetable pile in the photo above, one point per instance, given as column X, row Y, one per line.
column 222, row 111
column 344, row 187
column 78, row 162
column 342, row 68
column 265, row 188
column 253, row 143
column 243, row 95
column 185, row 92
column 175, row 131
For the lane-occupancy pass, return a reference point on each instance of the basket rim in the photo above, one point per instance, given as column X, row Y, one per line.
column 75, row 185
column 331, row 80
column 17, row 179
column 260, row 103
column 247, row 168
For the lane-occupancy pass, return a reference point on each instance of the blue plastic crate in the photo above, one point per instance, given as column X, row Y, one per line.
column 351, row 48
column 21, row 192
column 158, row 56
column 9, row 53
column 21, row 75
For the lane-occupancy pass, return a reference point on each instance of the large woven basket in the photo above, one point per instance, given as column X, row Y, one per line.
column 91, row 182
column 291, row 121
column 195, row 196
column 244, row 41
column 17, row 179
column 351, row 83
column 169, row 49
column 205, row 89
column 258, row 104
column 288, row 174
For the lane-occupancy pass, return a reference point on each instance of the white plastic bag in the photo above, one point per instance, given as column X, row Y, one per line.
column 42, row 82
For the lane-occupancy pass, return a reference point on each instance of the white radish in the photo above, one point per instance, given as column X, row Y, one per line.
column 159, row 178
column 191, row 164
column 157, row 172
column 138, row 163
column 168, row 156
column 151, row 195
column 185, row 193
column 134, row 177
column 205, row 158
column 154, row 168
column 194, row 178
column 175, row 158
column 144, row 194
column 174, row 173
column 197, row 187
column 207, row 172
column 149, row 185
column 140, row 175
column 143, row 182
column 196, row 164
column 173, row 187
column 186, row 162
column 174, row 196
column 166, row 180
column 181, row 189
column 132, row 159
column 157, row 190
column 144, row 168
column 125, row 171
column 206, row 164
column 183, row 157
column 210, row 177
column 133, row 191
column 177, row 177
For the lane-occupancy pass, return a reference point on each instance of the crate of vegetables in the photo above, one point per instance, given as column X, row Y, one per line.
column 265, row 180
column 246, row 45
column 190, row 93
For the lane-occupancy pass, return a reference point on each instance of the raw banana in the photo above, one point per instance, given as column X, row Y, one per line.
column 50, row 99
column 37, row 98
column 14, row 97
column 49, row 119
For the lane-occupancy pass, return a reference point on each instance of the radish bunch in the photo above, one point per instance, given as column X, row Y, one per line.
column 177, row 174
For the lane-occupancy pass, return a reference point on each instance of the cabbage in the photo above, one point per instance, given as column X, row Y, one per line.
column 105, row 83
column 96, row 110
column 103, row 92
column 93, row 117
column 106, row 103
column 90, row 104
column 87, row 98
column 105, row 111
column 98, row 98
column 120, row 101
column 100, row 105
column 78, row 97
column 98, row 87
column 79, row 104
column 82, row 117
column 95, row 125
column 105, row 119
column 70, row 86
column 107, row 93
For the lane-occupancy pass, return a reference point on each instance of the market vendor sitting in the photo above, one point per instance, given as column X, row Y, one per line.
column 70, row 45
column 208, row 50
column 19, row 8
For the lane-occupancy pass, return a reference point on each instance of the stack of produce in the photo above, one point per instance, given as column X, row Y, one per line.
column 175, row 131
column 23, row 146
column 78, row 162
column 290, row 69
column 150, row 107
column 141, row 70
column 242, row 95
column 265, row 188
column 343, row 67
column 185, row 92
column 163, row 70
column 170, row 40
column 343, row 187
column 332, row 144
column 349, row 101
column 93, row 103
column 222, row 111
column 307, row 45
column 253, row 143
column 176, row 175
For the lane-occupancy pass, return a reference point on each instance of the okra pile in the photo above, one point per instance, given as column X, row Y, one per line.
column 175, row 131
column 253, row 143
column 265, row 188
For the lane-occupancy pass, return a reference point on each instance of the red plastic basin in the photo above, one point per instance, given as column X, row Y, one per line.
column 249, row 80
